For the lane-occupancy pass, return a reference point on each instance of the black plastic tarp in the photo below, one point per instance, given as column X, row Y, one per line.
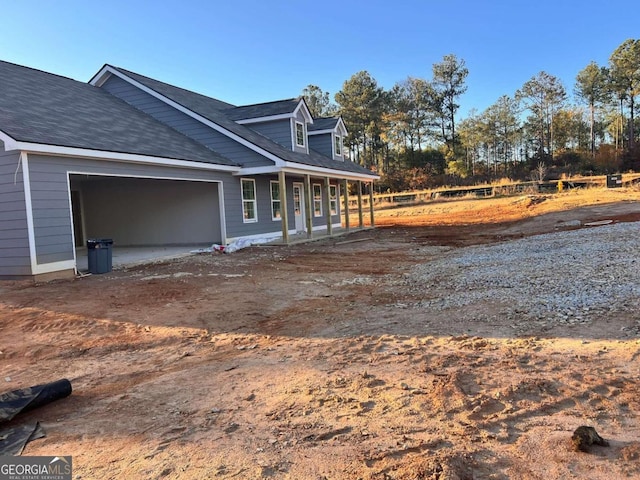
column 14, row 438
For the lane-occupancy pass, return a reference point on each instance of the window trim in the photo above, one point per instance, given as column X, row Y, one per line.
column 317, row 201
column 253, row 201
column 273, row 201
column 333, row 199
column 337, row 145
column 298, row 144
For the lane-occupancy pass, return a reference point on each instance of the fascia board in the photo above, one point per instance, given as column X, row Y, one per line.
column 342, row 127
column 119, row 157
column 269, row 118
column 327, row 172
column 10, row 143
column 301, row 169
column 258, row 170
column 103, row 74
column 302, row 105
column 318, row 132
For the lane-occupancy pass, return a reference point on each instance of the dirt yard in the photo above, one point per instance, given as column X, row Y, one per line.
column 462, row 339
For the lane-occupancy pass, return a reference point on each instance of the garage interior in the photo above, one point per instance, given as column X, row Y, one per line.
column 147, row 219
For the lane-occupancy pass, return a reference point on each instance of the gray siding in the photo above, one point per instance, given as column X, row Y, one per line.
column 321, row 143
column 15, row 260
column 263, row 204
column 51, row 215
column 184, row 124
column 265, row 223
column 54, row 227
column 277, row 130
column 52, row 219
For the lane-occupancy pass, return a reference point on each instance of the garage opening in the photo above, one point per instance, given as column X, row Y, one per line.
column 145, row 213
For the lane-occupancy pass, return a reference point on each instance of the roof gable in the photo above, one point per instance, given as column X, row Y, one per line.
column 268, row 111
column 328, row 125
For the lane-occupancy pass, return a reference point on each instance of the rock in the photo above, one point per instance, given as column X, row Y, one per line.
column 569, row 224
column 583, row 437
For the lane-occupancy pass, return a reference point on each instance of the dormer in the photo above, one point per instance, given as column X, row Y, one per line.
column 284, row 121
column 327, row 135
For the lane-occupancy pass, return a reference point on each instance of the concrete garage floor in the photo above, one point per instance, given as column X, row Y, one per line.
column 129, row 256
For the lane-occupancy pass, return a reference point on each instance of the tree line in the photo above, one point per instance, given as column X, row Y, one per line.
column 409, row 134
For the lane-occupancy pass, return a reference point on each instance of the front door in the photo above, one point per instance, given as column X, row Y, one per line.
column 298, row 206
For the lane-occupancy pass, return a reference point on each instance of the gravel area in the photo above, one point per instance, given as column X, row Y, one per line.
column 569, row 277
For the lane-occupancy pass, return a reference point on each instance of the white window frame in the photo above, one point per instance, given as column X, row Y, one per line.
column 274, row 201
column 337, row 145
column 298, row 144
column 317, row 200
column 249, row 201
column 333, row 199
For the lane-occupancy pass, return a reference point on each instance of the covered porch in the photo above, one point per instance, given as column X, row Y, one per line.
column 349, row 220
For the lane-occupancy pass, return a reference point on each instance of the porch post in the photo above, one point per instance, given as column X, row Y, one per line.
column 307, row 206
column 345, row 189
column 327, row 206
column 360, row 216
column 371, row 204
column 283, row 207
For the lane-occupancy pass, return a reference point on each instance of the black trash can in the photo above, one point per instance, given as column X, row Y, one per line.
column 100, row 256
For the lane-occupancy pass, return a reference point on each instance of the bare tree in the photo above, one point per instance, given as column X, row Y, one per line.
column 540, row 173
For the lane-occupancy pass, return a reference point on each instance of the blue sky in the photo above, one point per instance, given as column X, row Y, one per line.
column 254, row 51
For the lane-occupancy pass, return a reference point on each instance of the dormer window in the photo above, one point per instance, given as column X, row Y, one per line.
column 338, row 145
column 299, row 134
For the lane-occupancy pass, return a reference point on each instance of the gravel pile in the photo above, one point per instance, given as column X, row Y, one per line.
column 568, row 277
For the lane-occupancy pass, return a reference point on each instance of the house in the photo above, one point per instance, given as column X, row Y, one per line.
column 146, row 163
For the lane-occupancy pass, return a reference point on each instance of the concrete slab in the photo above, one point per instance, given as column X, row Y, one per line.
column 318, row 235
column 130, row 256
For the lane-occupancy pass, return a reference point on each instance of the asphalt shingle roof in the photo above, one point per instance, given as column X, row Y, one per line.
column 43, row 108
column 210, row 109
column 186, row 98
column 324, row 123
column 259, row 110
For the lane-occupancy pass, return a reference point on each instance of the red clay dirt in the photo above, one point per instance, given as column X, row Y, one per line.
column 300, row 362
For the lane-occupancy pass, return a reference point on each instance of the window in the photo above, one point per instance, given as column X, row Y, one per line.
column 299, row 134
column 317, row 200
column 333, row 199
column 249, row 210
column 275, row 201
column 338, row 145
